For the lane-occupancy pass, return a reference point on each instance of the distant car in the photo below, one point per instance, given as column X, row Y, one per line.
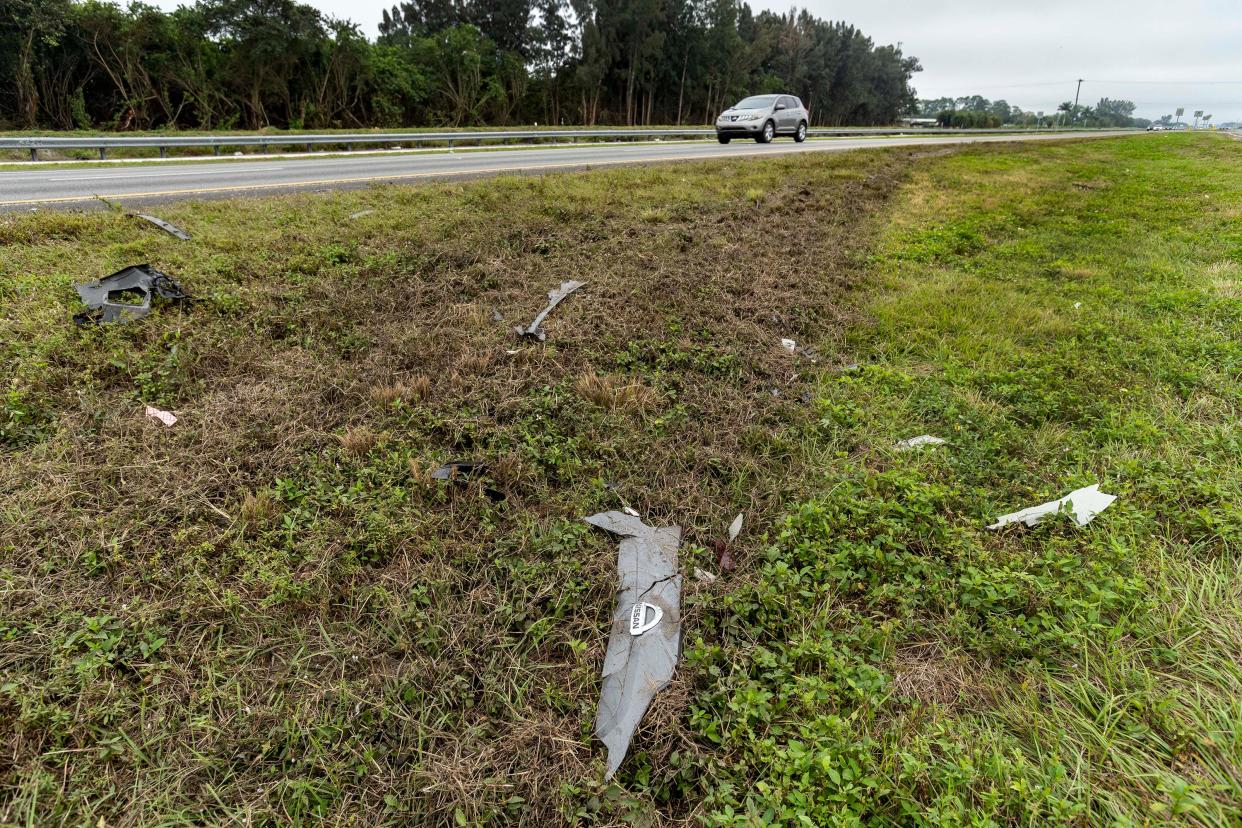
column 763, row 117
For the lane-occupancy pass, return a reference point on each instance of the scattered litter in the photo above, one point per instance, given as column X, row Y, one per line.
column 1082, row 504
column 735, row 528
column 921, row 440
column 806, row 397
column 776, row 392
column 496, row 316
column 724, row 557
column 360, row 214
column 237, row 154
column 106, row 299
column 511, row 351
column 462, row 472
column 166, row 417
column 645, row 638
column 703, row 575
column 629, row 511
column 555, row 297
column 168, row 227
column 850, row 368
column 1077, row 305
column 789, row 345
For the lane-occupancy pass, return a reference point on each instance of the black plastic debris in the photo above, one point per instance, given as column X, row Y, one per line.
column 645, row 639
column 463, row 472
column 167, row 227
column 555, row 297
column 126, row 295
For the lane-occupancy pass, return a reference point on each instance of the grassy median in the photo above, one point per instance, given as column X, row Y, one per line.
column 270, row 614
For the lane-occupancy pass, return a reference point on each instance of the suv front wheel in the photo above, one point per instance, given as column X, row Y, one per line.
column 800, row 135
column 769, row 132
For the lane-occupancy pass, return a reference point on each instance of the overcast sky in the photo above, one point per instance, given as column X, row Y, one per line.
column 1161, row 54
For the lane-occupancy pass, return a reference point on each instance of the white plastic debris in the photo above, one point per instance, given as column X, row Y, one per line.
column 735, row 528
column 1077, row 305
column 703, row 575
column 789, row 345
column 921, row 440
column 165, row 417
column 629, row 511
column 1082, row 505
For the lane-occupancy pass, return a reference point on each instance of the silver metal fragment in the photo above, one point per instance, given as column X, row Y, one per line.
column 645, row 638
column 360, row 214
column 735, row 528
column 555, row 297
column 167, row 227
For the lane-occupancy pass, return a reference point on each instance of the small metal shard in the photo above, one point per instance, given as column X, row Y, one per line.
column 921, row 440
column 360, row 214
column 167, row 227
column 555, row 297
column 735, row 528
column 1081, row 504
column 125, row 295
column 462, row 472
column 645, row 639
column 789, row 345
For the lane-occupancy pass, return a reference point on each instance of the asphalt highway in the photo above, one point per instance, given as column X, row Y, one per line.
column 67, row 187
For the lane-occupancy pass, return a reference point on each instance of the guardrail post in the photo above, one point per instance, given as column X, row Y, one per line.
column 103, row 153
column 216, row 149
column 349, row 147
column 163, row 152
column 308, row 148
column 34, row 154
column 450, row 143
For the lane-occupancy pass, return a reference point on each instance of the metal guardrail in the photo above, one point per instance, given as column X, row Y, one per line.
column 348, row 141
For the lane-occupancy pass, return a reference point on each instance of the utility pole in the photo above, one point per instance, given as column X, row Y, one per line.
column 1074, row 118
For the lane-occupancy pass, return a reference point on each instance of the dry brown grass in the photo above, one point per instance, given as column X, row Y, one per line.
column 413, row 389
column 358, row 441
column 614, row 393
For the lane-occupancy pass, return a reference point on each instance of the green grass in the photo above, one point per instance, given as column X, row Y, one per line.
column 268, row 614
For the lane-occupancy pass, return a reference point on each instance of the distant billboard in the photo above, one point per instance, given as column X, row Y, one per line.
column 1198, row 113
column 1181, row 111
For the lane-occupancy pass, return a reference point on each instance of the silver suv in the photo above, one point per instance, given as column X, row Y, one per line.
column 763, row 117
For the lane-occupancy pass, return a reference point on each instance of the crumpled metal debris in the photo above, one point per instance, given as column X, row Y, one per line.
column 166, row 417
column 462, row 472
column 645, row 639
column 168, row 227
column 555, row 297
column 789, row 345
column 921, row 440
column 1081, row 504
column 105, row 299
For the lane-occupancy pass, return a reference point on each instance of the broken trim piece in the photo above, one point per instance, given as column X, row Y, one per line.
column 645, row 639
column 555, row 297
column 1081, row 504
column 103, row 299
column 168, row 227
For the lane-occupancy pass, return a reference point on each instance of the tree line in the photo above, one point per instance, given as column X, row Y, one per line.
column 83, row 64
column 976, row 112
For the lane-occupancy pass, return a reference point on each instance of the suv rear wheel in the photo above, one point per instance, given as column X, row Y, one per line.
column 724, row 139
column 800, row 135
column 769, row 132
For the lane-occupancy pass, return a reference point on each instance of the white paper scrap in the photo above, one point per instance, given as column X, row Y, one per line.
column 921, row 440
column 165, row 417
column 1082, row 504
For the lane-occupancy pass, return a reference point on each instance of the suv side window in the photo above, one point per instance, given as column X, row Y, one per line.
column 797, row 103
column 787, row 101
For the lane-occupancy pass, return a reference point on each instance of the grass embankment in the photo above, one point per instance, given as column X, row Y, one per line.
column 269, row 613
